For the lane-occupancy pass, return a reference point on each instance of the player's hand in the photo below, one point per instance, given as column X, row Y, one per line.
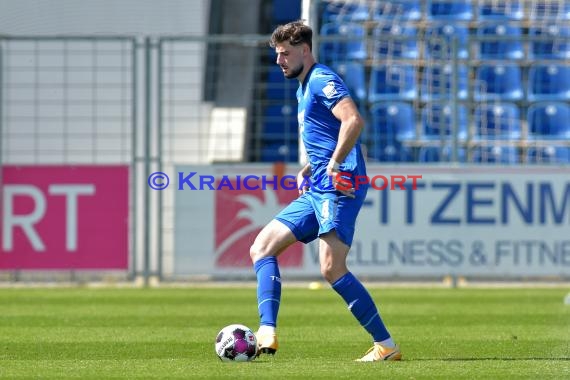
column 302, row 183
column 334, row 173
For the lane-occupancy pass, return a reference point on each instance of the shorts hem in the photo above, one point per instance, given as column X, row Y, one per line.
column 339, row 234
column 295, row 230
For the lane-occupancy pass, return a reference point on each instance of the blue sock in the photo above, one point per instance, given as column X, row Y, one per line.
column 361, row 305
column 268, row 290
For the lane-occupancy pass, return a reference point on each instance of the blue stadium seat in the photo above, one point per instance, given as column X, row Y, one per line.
column 341, row 12
column 381, row 143
column 450, row 9
column 549, row 10
column 437, row 121
column 549, row 82
column 278, row 87
column 549, row 120
column 500, row 41
column 273, row 151
column 549, row 42
column 439, row 39
column 393, row 120
column 285, row 11
column 390, row 152
column 393, row 40
column 392, row 82
column 444, row 153
column 349, row 43
column 353, row 74
column 497, row 121
column 501, row 9
column 498, row 82
column 551, row 154
column 279, row 121
column 437, row 82
column 397, row 10
column 496, row 154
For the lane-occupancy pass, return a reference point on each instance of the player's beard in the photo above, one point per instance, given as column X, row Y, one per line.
column 294, row 73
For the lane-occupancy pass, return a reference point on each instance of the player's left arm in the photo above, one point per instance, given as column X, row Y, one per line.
column 351, row 126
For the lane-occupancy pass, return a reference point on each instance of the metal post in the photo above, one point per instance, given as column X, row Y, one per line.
column 159, row 158
column 134, row 145
column 147, row 154
column 454, row 108
column 471, row 83
column 1, row 127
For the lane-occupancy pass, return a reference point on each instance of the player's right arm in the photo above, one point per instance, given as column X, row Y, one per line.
column 303, row 177
column 351, row 127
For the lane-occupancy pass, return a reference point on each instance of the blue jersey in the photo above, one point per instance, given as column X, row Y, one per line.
column 321, row 90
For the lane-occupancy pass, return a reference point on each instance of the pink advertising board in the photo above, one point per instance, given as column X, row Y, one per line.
column 64, row 217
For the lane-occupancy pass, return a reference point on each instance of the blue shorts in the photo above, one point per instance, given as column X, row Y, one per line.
column 315, row 213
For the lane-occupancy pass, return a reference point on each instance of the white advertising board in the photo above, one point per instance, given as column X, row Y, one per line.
column 509, row 222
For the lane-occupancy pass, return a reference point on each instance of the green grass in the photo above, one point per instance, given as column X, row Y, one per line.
column 168, row 333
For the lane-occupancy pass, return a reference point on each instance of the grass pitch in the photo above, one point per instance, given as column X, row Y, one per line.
column 169, row 333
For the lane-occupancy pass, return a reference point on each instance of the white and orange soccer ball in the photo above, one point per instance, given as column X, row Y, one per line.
column 236, row 343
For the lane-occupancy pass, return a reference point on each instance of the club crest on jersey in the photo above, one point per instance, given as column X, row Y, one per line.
column 329, row 90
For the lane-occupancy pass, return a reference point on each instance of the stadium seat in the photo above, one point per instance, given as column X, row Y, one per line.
column 450, row 9
column 389, row 151
column 342, row 12
column 273, row 151
column 500, row 10
column 285, row 11
column 444, row 153
column 500, row 41
column 497, row 121
column 549, row 42
column 381, row 143
column 436, row 82
column 397, row 10
column 551, row 154
column 549, row 82
column 437, row 122
column 496, row 154
column 393, row 40
column 342, row 42
column 392, row 82
column 353, row 74
column 549, row 120
column 279, row 121
column 439, row 39
column 393, row 120
column 549, row 10
column 498, row 82
column 278, row 87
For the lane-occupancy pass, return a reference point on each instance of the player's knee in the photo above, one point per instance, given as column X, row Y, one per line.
column 332, row 272
column 254, row 253
column 327, row 271
column 258, row 251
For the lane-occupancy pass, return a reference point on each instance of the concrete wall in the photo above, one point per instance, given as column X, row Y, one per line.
column 138, row 17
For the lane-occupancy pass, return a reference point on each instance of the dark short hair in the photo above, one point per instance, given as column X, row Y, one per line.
column 296, row 32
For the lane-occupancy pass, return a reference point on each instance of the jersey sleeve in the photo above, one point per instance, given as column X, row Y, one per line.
column 329, row 89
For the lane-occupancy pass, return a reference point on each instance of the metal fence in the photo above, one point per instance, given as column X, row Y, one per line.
column 67, row 99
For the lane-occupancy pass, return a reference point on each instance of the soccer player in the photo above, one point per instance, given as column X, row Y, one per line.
column 330, row 126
